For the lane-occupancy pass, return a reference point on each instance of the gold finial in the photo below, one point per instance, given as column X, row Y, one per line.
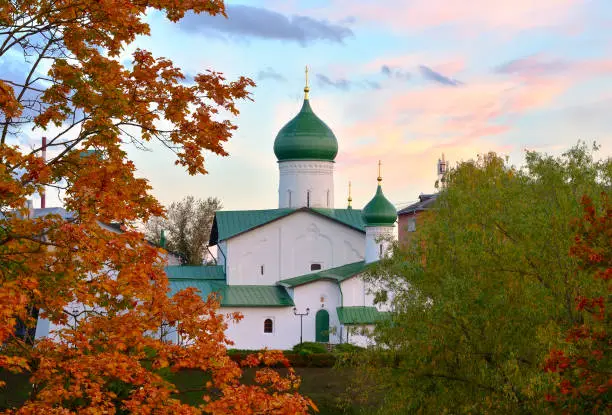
column 379, row 176
column 350, row 199
column 306, row 88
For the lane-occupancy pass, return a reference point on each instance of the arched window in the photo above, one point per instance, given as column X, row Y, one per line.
column 268, row 325
column 308, row 198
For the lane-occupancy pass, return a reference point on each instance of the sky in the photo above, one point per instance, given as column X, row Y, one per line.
column 402, row 81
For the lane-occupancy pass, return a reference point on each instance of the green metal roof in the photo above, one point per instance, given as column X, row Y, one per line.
column 255, row 296
column 360, row 315
column 211, row 278
column 204, row 286
column 306, row 137
column 236, row 295
column 204, row 272
column 338, row 274
column 350, row 217
column 379, row 211
column 228, row 224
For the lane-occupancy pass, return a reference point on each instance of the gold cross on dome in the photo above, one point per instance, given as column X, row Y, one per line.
column 306, row 88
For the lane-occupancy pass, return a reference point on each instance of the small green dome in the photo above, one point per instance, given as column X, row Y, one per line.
column 305, row 137
column 379, row 211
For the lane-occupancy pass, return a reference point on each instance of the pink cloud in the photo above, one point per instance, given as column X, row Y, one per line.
column 506, row 15
column 407, row 170
column 544, row 66
column 447, row 64
column 410, row 130
column 467, row 112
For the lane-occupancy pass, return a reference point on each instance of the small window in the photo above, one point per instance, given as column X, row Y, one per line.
column 327, row 197
column 315, row 267
column 412, row 225
column 268, row 325
column 381, row 250
column 289, row 197
column 261, row 269
column 308, row 198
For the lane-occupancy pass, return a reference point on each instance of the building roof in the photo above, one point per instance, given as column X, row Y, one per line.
column 360, row 315
column 211, row 278
column 306, row 137
column 204, row 286
column 228, row 224
column 201, row 272
column 350, row 217
column 337, row 274
column 424, row 203
column 379, row 211
column 255, row 296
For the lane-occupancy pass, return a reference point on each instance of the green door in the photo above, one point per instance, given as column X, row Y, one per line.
column 322, row 326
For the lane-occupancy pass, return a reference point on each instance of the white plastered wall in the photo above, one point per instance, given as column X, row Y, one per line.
column 358, row 292
column 358, row 335
column 375, row 237
column 300, row 177
column 354, row 293
column 287, row 247
column 248, row 333
column 316, row 296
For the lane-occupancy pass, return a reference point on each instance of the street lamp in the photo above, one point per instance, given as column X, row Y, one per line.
column 301, row 319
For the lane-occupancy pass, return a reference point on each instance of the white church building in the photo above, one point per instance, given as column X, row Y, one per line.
column 295, row 272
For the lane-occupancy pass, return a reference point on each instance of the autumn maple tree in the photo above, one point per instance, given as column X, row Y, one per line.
column 106, row 290
column 583, row 365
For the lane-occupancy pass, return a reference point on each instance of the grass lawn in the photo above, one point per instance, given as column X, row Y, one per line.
column 325, row 386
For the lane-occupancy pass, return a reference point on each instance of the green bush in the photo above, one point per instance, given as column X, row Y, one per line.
column 311, row 359
column 310, row 348
column 347, row 348
column 241, row 351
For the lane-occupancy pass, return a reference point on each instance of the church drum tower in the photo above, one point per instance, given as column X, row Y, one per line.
column 305, row 149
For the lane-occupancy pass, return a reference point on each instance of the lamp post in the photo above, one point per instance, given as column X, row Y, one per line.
column 301, row 319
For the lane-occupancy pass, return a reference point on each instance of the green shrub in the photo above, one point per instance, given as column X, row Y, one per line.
column 310, row 348
column 348, row 348
column 311, row 359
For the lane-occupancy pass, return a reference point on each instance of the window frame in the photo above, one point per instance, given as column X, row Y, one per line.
column 411, row 227
column 266, row 319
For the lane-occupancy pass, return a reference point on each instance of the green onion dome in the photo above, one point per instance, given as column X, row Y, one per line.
column 306, row 137
column 379, row 211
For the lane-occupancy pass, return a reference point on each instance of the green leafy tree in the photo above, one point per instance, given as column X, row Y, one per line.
column 487, row 288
